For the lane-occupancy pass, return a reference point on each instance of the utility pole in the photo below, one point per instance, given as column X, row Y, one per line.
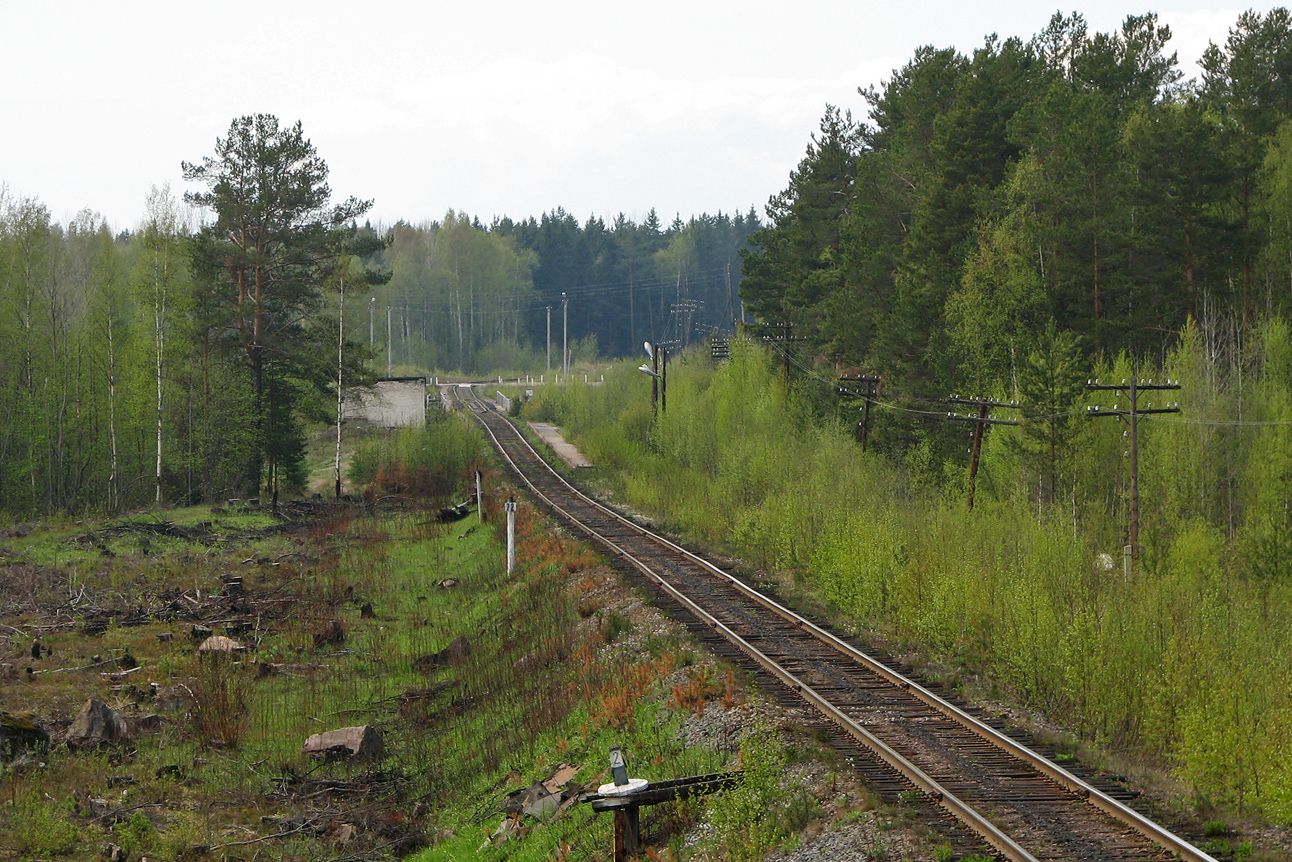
column 731, row 308
column 979, row 422
column 784, row 338
column 549, row 339
column 372, row 303
column 565, row 335
column 868, row 384
column 682, row 313
column 663, row 378
column 1132, row 388
column 340, row 356
column 390, row 356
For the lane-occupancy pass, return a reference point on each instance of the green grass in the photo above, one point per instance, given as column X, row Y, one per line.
column 1008, row 591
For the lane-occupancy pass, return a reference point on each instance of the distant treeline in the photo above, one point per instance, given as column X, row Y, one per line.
column 473, row 297
column 1076, row 178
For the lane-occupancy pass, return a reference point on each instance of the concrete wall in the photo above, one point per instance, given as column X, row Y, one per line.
column 392, row 402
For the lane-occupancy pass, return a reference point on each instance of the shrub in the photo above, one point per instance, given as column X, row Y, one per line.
column 219, row 702
column 42, row 828
column 762, row 810
column 434, row 462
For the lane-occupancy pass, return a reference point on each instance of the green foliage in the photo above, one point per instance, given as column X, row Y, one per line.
column 1015, row 589
column 1068, row 178
column 136, row 834
column 435, row 461
column 264, row 260
column 1051, row 384
column 42, row 828
column 762, row 810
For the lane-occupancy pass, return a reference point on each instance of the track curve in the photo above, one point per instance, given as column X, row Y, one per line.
column 1024, row 806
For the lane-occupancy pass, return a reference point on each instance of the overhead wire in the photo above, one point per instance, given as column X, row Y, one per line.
column 784, row 351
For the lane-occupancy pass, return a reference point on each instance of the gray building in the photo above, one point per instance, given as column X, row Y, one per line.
column 393, row 401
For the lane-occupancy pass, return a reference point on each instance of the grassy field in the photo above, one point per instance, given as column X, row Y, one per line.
column 350, row 614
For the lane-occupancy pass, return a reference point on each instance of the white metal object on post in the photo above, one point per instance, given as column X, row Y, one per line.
column 634, row 785
column 511, row 535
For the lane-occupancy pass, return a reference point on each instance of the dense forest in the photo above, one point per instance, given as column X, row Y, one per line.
column 476, row 298
column 1074, row 179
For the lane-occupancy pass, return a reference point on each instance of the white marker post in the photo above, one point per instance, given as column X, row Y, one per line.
column 511, row 534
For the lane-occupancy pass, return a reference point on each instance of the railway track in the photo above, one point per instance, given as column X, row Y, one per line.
column 908, row 738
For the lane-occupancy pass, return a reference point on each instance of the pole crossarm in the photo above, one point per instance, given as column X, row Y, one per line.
column 869, row 384
column 981, row 420
column 1092, row 412
column 982, row 402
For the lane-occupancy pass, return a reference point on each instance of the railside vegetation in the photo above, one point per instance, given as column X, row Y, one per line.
column 1186, row 658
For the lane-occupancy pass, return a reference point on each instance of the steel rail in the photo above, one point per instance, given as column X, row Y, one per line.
column 935, row 791
column 1064, row 779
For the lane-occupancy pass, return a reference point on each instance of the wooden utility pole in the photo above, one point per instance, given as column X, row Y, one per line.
column 340, row 365
column 662, row 352
column 784, row 337
column 1132, row 388
column 683, row 312
column 980, row 421
column 867, row 389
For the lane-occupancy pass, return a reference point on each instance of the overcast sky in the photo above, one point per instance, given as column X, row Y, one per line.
column 490, row 108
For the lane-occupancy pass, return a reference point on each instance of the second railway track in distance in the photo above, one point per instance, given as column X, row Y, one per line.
column 1022, row 805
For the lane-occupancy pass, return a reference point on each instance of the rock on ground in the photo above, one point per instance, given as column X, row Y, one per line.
column 97, row 724
column 363, row 742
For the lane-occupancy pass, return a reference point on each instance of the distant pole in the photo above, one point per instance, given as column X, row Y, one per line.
column 389, row 345
column 372, row 338
column 654, row 381
column 1132, row 388
column 565, row 334
column 869, row 391
column 511, row 534
column 663, row 380
column 979, row 422
column 340, row 353
column 549, row 339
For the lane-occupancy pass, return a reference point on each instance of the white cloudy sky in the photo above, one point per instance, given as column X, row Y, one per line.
column 496, row 107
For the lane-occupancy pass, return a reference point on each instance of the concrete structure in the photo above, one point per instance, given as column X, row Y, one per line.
column 394, row 401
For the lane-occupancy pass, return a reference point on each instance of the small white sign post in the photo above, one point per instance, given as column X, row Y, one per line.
column 511, row 534
column 479, row 498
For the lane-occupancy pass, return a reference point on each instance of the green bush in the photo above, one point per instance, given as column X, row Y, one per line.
column 434, row 462
column 42, row 828
column 762, row 810
column 136, row 834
